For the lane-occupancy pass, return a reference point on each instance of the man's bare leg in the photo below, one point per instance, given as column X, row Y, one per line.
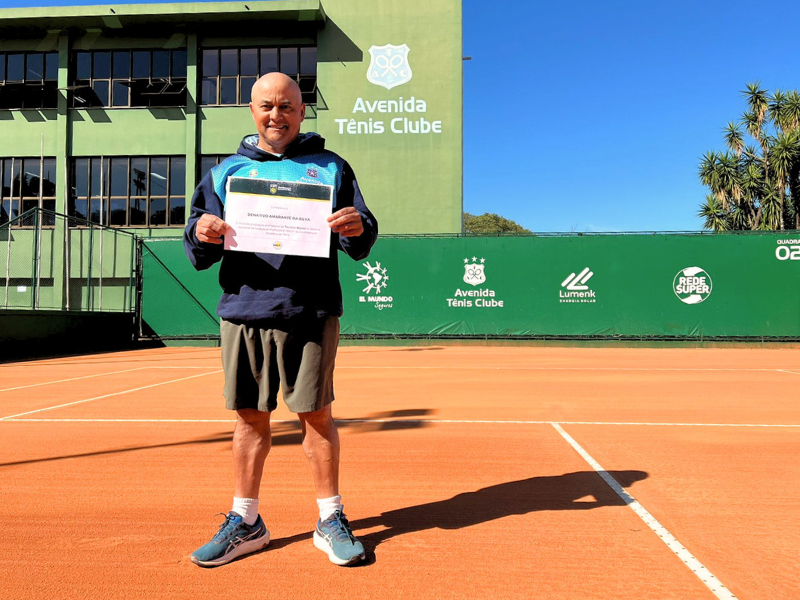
column 321, row 445
column 243, row 530
column 252, row 440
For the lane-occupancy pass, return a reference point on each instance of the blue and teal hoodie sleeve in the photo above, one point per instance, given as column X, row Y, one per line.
column 204, row 201
column 349, row 194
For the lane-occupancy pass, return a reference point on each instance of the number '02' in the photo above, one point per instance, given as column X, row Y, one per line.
column 788, row 252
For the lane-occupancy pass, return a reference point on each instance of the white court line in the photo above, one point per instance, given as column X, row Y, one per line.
column 22, row 387
column 706, row 576
column 30, row 412
column 644, row 369
column 416, row 421
column 181, row 367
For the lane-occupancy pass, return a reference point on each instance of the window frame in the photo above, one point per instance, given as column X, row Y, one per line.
column 158, row 90
column 29, row 93
column 243, row 82
column 13, row 196
column 100, row 193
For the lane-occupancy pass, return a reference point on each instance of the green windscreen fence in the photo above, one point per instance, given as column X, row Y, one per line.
column 584, row 286
column 177, row 302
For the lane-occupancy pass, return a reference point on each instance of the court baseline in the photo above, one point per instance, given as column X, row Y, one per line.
column 108, row 395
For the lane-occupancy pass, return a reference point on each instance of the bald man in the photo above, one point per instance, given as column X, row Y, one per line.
column 279, row 320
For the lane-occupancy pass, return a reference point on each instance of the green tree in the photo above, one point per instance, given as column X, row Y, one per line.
column 756, row 185
column 491, row 223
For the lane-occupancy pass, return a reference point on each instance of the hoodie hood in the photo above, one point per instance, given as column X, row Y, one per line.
column 304, row 143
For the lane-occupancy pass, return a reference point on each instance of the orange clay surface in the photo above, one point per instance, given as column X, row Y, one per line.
column 454, row 475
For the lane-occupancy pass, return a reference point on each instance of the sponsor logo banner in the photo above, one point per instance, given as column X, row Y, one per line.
column 474, row 275
column 376, row 280
column 692, row 285
column 575, row 289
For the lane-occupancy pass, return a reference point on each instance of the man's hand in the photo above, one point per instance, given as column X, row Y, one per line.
column 346, row 222
column 210, row 229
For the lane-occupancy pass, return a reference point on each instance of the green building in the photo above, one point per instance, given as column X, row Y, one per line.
column 111, row 114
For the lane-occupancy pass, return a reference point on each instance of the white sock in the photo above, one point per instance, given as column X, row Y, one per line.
column 328, row 506
column 247, row 508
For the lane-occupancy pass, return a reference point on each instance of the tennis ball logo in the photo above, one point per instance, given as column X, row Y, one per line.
column 692, row 285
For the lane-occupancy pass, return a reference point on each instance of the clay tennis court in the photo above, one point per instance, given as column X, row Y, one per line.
column 467, row 471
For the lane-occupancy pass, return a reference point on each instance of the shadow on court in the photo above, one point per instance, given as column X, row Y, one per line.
column 283, row 434
column 583, row 490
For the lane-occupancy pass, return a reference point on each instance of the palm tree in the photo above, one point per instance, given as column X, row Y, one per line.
column 756, row 186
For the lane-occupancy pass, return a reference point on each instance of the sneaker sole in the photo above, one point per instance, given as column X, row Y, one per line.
column 240, row 550
column 321, row 544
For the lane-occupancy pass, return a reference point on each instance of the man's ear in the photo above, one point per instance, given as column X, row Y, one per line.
column 302, row 112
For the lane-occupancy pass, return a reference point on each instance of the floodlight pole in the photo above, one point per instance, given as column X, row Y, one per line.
column 39, row 227
column 10, row 212
column 67, row 254
column 102, row 200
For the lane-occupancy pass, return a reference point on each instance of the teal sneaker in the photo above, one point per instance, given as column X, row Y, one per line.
column 234, row 538
column 334, row 537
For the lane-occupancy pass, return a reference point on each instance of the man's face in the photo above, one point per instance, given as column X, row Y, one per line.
column 278, row 111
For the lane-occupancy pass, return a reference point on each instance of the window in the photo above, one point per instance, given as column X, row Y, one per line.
column 27, row 183
column 228, row 74
column 125, row 78
column 28, row 80
column 135, row 191
column 208, row 162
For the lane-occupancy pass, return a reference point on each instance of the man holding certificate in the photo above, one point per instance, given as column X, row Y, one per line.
column 275, row 214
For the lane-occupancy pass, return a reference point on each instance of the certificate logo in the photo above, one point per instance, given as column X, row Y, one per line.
column 277, row 245
column 474, row 273
column 389, row 66
column 692, row 285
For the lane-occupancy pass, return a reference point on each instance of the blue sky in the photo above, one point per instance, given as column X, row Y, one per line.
column 592, row 116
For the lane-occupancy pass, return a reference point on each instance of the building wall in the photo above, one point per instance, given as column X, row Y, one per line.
column 412, row 181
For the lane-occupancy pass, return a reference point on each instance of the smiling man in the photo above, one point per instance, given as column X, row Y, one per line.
column 280, row 320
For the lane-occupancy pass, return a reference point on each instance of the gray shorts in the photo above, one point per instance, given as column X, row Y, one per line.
column 260, row 358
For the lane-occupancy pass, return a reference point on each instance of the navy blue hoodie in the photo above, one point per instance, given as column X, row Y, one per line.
column 270, row 286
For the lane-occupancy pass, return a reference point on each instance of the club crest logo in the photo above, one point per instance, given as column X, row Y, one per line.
column 475, row 297
column 273, row 189
column 474, row 273
column 389, row 66
column 312, row 172
column 253, row 173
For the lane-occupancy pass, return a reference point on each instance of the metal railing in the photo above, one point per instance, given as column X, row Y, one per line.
column 56, row 262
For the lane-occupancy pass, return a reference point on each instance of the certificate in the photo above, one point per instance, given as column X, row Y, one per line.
column 278, row 217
